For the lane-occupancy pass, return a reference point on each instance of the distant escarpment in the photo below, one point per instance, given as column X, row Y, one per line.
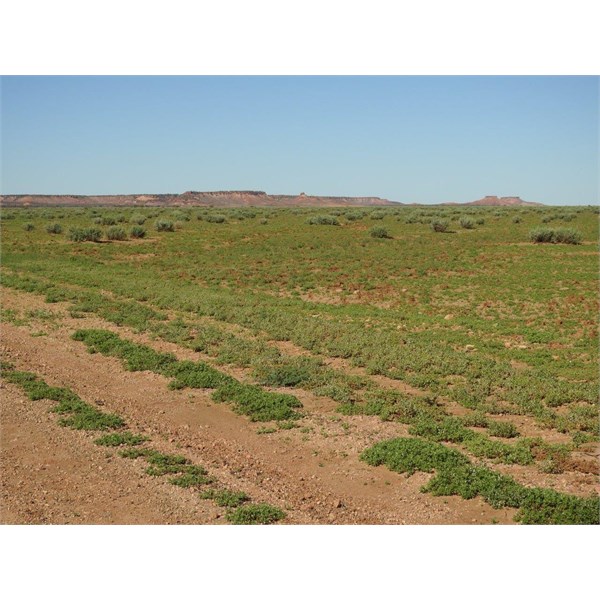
column 191, row 198
column 496, row 201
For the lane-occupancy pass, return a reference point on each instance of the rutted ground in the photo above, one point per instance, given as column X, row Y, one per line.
column 314, row 477
column 53, row 475
column 482, row 325
column 352, row 434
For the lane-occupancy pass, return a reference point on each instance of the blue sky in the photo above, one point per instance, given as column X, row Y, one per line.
column 409, row 139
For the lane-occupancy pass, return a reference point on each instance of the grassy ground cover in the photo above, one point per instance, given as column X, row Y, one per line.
column 479, row 315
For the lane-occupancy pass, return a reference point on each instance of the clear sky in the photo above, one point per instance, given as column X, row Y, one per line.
column 409, row 139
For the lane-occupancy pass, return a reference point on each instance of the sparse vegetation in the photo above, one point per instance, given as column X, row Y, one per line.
column 255, row 514
column 475, row 325
column 455, row 475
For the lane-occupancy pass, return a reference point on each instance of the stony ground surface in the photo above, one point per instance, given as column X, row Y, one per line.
column 52, row 474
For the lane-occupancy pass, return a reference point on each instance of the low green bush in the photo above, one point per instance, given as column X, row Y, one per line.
column 164, row 226
column 380, row 232
column 137, row 232
column 323, row 220
column 86, row 234
column 116, row 234
column 439, row 225
column 215, row 218
column 54, row 228
column 545, row 235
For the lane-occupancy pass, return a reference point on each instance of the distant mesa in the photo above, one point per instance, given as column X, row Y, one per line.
column 224, row 199
column 498, row 201
column 504, row 201
column 230, row 198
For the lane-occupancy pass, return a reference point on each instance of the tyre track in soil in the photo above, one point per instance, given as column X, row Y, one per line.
column 365, row 430
column 319, row 480
column 51, row 474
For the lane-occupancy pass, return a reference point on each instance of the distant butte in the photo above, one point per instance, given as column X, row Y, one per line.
column 496, row 201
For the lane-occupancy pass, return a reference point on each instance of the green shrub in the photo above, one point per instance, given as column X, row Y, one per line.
column 467, row 223
column 516, row 220
column 116, row 234
column 29, row 227
column 541, row 235
column 180, row 216
column 215, row 218
column 164, row 226
column 544, row 235
column 54, row 228
column 567, row 236
column 323, row 220
column 105, row 221
column 439, row 225
column 87, row 234
column 354, row 216
column 380, row 232
column 137, row 232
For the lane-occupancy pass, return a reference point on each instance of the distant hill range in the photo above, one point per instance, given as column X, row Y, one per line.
column 495, row 201
column 231, row 199
column 219, row 199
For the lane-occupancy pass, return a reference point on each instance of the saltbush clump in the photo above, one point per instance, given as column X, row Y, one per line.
column 545, row 235
column 354, row 216
column 54, row 228
column 323, row 220
column 439, row 225
column 164, row 226
column 138, row 232
column 138, row 219
column 116, row 233
column 380, row 232
column 86, row 234
column 215, row 218
column 28, row 227
column 467, row 223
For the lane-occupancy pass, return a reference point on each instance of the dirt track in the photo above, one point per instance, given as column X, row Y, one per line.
column 56, row 475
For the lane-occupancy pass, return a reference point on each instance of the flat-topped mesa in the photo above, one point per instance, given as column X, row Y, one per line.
column 230, row 198
column 502, row 201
